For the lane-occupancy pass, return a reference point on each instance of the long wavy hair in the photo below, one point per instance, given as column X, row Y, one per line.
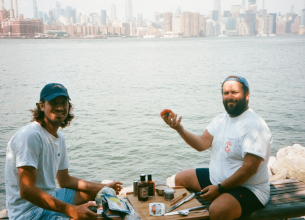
column 38, row 115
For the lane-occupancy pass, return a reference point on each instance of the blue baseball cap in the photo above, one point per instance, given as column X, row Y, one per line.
column 238, row 79
column 53, row 90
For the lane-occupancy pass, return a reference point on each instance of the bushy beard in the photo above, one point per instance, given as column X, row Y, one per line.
column 240, row 106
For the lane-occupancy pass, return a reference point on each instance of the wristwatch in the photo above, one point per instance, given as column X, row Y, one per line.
column 221, row 189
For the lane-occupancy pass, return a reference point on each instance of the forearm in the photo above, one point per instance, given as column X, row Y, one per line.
column 242, row 175
column 82, row 185
column 44, row 200
column 193, row 140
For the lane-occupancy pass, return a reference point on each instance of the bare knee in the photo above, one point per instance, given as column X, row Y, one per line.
column 225, row 207
column 188, row 179
column 216, row 213
column 179, row 179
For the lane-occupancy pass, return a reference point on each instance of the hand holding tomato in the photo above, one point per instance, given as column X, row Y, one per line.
column 165, row 113
column 170, row 118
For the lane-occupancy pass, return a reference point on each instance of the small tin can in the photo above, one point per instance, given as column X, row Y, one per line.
column 169, row 194
column 135, row 188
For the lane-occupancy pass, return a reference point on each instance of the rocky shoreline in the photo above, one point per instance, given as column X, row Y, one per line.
column 289, row 163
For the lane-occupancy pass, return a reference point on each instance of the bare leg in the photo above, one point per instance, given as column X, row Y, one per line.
column 225, row 207
column 188, row 179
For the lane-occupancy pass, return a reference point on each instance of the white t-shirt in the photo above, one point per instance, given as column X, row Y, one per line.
column 233, row 139
column 33, row 146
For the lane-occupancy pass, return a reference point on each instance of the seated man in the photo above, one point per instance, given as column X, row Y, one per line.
column 36, row 155
column 237, row 179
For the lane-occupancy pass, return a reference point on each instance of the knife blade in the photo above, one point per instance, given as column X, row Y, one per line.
column 177, row 212
column 182, row 202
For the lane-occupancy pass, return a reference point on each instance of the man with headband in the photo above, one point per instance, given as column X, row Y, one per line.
column 237, row 180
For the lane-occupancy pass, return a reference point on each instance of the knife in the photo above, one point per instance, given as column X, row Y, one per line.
column 176, row 213
column 183, row 201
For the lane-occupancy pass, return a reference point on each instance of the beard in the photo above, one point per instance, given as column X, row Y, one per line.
column 235, row 107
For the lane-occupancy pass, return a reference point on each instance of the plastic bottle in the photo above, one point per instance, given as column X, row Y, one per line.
column 143, row 189
column 151, row 186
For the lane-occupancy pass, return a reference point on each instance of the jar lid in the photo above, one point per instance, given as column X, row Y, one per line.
column 169, row 190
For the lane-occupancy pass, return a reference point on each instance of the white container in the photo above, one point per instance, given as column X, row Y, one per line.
column 156, row 209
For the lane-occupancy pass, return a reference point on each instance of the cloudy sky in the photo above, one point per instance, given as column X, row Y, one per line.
column 148, row 7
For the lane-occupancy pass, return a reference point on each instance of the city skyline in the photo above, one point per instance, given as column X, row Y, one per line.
column 147, row 7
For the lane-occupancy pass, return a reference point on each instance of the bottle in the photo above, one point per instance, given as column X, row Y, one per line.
column 151, row 186
column 142, row 189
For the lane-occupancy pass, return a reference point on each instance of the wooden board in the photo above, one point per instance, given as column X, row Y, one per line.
column 143, row 207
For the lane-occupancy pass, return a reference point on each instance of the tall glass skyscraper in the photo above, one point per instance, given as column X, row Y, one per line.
column 35, row 9
column 58, row 10
column 217, row 7
column 68, row 12
column 103, row 17
column 113, row 12
column 251, row 2
column 128, row 10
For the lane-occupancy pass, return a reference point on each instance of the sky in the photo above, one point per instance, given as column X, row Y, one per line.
column 148, row 7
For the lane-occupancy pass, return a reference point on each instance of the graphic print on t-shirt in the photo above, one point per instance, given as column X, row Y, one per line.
column 228, row 145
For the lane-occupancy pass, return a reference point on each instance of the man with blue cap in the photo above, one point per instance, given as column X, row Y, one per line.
column 37, row 155
column 237, row 180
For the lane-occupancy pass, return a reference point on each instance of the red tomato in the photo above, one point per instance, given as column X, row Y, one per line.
column 165, row 112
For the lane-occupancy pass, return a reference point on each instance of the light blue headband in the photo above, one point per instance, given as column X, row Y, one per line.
column 238, row 79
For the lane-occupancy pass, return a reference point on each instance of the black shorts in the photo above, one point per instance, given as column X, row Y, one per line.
column 246, row 198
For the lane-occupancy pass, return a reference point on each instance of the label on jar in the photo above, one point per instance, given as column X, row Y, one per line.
column 143, row 192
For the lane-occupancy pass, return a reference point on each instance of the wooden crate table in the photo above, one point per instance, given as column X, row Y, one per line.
column 143, row 207
column 287, row 200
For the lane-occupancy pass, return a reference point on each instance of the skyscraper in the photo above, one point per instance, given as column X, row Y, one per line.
column 35, row 9
column 303, row 4
column 11, row 9
column 2, row 5
column 303, row 17
column 58, row 10
column 73, row 16
column 243, row 8
column 168, row 21
column 217, row 7
column 251, row 2
column 128, row 10
column 16, row 9
column 68, row 12
column 103, row 17
column 113, row 12
column 178, row 11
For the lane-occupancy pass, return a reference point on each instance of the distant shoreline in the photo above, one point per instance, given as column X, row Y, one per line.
column 136, row 37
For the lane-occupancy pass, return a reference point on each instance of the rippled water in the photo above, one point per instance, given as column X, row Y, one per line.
column 119, row 87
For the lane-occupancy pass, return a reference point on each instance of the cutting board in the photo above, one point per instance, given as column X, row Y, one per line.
column 143, row 207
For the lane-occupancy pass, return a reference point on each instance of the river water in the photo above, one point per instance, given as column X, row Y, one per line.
column 119, row 86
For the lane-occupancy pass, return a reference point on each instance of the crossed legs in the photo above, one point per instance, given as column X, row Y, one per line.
column 224, row 206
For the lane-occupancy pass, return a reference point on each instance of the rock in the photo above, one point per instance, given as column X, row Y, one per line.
column 277, row 169
column 272, row 159
column 289, row 163
column 170, row 181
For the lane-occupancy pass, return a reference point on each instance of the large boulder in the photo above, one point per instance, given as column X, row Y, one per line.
column 289, row 163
